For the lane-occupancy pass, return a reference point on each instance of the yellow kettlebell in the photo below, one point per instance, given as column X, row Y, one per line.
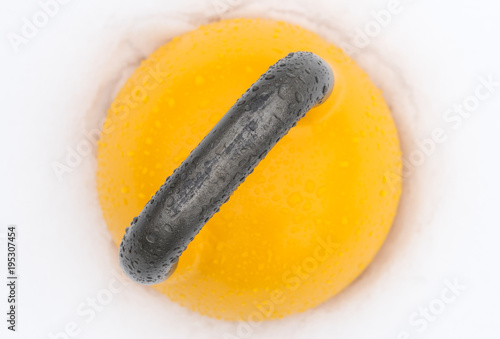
column 315, row 210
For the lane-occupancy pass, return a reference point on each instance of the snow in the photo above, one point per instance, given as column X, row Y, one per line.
column 427, row 57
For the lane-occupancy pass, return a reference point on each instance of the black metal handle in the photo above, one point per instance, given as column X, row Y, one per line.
column 195, row 191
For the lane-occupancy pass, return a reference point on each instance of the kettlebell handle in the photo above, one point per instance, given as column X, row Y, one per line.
column 205, row 180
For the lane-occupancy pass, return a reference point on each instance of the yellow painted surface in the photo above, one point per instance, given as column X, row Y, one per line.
column 315, row 211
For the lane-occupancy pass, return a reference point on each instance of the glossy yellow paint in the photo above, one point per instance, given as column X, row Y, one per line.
column 315, row 211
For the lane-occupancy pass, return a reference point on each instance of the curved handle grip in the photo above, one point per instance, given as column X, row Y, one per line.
column 215, row 168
